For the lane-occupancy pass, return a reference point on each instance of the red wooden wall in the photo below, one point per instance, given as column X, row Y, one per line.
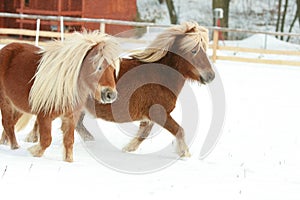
column 9, row 6
column 105, row 9
column 110, row 9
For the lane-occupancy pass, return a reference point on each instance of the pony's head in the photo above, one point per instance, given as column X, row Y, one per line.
column 84, row 64
column 101, row 67
column 185, row 46
column 106, row 89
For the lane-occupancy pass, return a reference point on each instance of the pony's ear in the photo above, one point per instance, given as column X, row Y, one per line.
column 190, row 27
column 191, row 30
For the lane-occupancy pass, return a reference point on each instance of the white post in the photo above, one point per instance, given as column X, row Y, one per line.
column 37, row 34
column 266, row 37
column 102, row 27
column 62, row 28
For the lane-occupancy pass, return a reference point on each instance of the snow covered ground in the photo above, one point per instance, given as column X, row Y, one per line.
column 257, row 156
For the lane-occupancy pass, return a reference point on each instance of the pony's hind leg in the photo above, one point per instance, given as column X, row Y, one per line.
column 44, row 126
column 33, row 136
column 143, row 132
column 9, row 119
column 82, row 131
column 171, row 125
column 4, row 139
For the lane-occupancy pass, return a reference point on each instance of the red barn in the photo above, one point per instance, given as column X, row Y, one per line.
column 106, row 9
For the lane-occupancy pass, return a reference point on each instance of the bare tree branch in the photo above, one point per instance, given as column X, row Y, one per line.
column 278, row 16
column 298, row 11
column 292, row 25
column 171, row 9
column 283, row 17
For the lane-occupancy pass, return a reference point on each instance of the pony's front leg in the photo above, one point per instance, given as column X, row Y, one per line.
column 44, row 125
column 82, row 131
column 68, row 127
column 171, row 125
column 144, row 131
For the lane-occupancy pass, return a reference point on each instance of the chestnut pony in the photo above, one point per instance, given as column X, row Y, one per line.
column 56, row 82
column 155, row 77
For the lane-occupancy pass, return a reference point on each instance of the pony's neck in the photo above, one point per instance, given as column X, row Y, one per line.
column 86, row 87
column 174, row 61
column 83, row 92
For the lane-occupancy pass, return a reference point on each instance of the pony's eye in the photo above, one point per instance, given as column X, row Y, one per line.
column 99, row 68
column 194, row 51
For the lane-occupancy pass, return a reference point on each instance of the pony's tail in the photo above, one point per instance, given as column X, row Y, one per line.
column 23, row 121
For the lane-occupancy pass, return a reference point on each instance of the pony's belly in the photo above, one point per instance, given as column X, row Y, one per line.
column 153, row 94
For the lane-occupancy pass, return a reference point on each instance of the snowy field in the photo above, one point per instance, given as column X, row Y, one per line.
column 257, row 156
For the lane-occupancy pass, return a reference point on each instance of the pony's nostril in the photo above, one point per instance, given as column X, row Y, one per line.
column 108, row 96
column 212, row 76
column 207, row 78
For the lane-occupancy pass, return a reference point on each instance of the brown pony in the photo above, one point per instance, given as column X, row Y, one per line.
column 55, row 82
column 155, row 77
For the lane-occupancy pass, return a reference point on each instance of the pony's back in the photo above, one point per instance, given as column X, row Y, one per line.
column 18, row 54
column 18, row 63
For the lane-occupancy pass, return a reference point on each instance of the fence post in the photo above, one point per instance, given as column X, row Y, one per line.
column 215, row 45
column 102, row 27
column 62, row 28
column 37, row 33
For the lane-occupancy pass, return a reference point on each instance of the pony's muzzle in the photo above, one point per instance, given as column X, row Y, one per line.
column 108, row 95
column 207, row 77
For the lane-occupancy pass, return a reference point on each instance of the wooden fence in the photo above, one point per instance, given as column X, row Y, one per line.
column 216, row 48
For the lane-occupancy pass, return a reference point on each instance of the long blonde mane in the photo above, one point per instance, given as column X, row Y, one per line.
column 55, row 86
column 194, row 36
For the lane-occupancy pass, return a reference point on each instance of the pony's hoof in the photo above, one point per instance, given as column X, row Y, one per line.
column 68, row 158
column 31, row 138
column 84, row 133
column 88, row 137
column 128, row 149
column 36, row 150
column 4, row 141
column 132, row 146
column 183, row 149
column 15, row 146
column 68, row 155
column 184, row 153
